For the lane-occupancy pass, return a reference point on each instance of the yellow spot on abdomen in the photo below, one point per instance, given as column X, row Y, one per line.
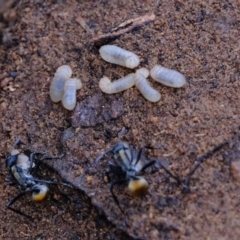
column 40, row 197
column 138, row 186
column 40, row 193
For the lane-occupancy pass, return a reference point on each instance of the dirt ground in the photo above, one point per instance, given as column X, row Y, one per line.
column 199, row 39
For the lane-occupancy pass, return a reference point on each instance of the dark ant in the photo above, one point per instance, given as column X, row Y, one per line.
column 22, row 171
column 126, row 166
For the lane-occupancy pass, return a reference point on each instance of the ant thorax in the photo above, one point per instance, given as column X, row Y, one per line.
column 122, row 155
column 126, row 157
column 22, row 176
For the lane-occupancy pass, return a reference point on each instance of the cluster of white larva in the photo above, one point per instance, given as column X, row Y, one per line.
column 117, row 55
column 63, row 87
column 138, row 79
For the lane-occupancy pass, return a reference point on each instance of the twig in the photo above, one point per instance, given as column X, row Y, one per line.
column 83, row 24
column 123, row 28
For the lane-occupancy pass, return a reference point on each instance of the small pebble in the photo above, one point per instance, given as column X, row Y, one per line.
column 5, row 82
column 235, row 169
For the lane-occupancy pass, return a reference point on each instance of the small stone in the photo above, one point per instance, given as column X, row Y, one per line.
column 13, row 74
column 97, row 109
column 154, row 120
column 66, row 135
column 89, row 178
column 235, row 169
column 5, row 82
column 3, row 75
column 11, row 88
column 3, row 105
column 105, row 179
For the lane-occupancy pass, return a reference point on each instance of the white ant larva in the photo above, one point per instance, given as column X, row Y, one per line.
column 78, row 82
column 143, row 71
column 167, row 76
column 69, row 98
column 146, row 89
column 117, row 55
column 22, row 159
column 56, row 88
column 116, row 86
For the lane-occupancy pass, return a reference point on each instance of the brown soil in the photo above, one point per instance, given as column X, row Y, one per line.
column 201, row 40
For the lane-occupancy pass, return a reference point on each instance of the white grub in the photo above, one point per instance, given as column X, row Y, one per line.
column 64, row 70
column 167, row 76
column 14, row 152
column 146, row 89
column 78, row 82
column 143, row 71
column 23, row 161
column 69, row 98
column 117, row 55
column 116, row 86
column 56, row 88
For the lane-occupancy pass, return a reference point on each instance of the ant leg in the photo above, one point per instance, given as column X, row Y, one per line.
column 102, row 155
column 147, row 165
column 40, row 161
column 201, row 159
column 110, row 149
column 95, row 162
column 139, row 155
column 185, row 186
column 118, row 182
column 121, row 133
column 31, row 158
column 14, row 200
column 108, row 175
column 17, row 143
column 114, row 169
column 166, row 170
column 11, row 160
column 10, row 180
column 52, row 182
column 131, row 151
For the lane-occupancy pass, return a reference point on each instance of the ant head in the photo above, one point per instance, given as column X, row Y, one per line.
column 138, row 186
column 121, row 146
column 39, row 193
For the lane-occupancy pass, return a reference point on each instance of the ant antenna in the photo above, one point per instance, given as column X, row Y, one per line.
column 110, row 149
column 16, row 143
column 121, row 133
